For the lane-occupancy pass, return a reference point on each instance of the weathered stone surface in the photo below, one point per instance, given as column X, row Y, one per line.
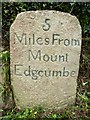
column 45, row 50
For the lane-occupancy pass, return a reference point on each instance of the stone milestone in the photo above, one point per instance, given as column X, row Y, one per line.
column 44, row 54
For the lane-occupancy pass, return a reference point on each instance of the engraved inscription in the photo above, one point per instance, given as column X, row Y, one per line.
column 46, row 26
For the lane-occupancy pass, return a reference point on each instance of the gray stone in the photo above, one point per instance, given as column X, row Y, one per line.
column 45, row 50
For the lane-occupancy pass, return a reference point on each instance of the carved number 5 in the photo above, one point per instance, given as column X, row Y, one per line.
column 46, row 27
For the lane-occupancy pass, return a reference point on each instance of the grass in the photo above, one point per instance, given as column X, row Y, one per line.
column 69, row 113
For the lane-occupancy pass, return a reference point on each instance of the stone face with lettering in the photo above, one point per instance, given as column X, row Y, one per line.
column 45, row 51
